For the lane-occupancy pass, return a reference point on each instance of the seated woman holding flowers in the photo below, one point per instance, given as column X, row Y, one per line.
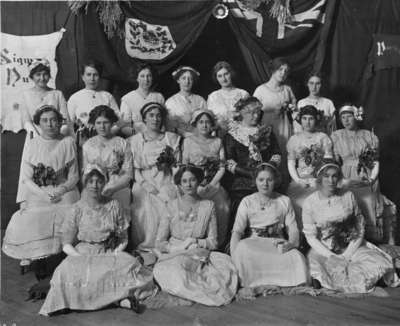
column 97, row 272
column 155, row 152
column 359, row 151
column 187, row 266
column 265, row 236
column 49, row 174
column 207, row 152
column 305, row 150
column 247, row 144
column 339, row 258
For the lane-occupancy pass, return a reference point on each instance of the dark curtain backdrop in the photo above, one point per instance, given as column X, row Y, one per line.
column 347, row 67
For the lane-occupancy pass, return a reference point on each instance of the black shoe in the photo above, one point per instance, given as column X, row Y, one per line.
column 135, row 305
column 315, row 284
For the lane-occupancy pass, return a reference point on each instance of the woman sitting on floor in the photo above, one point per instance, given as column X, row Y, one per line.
column 49, row 174
column 339, row 258
column 187, row 266
column 96, row 272
column 265, row 236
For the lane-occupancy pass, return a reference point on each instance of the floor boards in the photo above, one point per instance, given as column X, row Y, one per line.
column 272, row 310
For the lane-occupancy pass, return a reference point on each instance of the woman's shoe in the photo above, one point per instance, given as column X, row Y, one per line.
column 315, row 284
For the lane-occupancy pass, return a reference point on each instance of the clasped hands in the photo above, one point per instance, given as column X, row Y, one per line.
column 283, row 246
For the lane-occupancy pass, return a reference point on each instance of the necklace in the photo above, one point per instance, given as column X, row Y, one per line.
column 188, row 214
column 264, row 203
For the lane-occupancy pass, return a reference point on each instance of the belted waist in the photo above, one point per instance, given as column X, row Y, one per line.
column 270, row 231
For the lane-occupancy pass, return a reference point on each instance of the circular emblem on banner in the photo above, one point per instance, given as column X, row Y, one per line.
column 220, row 11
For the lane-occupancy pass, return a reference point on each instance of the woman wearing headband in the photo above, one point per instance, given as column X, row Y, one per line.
column 31, row 100
column 188, row 267
column 323, row 104
column 305, row 150
column 340, row 259
column 49, row 174
column 359, row 151
column 155, row 153
column 132, row 102
column 247, row 144
column 112, row 153
column 82, row 102
column 182, row 105
column 97, row 272
column 278, row 100
column 207, row 152
column 222, row 101
column 265, row 236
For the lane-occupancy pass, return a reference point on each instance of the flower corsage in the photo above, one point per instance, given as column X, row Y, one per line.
column 166, row 160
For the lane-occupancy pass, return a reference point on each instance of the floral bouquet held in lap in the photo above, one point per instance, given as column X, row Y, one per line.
column 259, row 142
column 366, row 161
column 312, row 156
column 44, row 175
column 210, row 168
column 166, row 160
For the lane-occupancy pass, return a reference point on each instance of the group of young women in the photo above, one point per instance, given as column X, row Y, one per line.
column 193, row 190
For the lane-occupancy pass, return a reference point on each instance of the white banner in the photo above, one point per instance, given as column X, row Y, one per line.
column 17, row 53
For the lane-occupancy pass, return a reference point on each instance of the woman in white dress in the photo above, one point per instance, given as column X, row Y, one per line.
column 222, row 102
column 182, row 105
column 49, row 174
column 265, row 236
column 323, row 104
column 188, row 266
column 207, row 152
column 31, row 100
column 132, row 103
column 278, row 101
column 154, row 152
column 340, row 259
column 112, row 153
column 82, row 102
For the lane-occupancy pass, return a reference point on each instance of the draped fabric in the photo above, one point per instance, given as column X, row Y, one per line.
column 301, row 41
column 184, row 19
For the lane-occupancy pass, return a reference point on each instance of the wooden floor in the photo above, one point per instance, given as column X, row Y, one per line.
column 274, row 310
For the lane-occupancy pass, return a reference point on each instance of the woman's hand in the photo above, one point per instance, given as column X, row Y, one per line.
column 107, row 191
column 188, row 242
column 231, row 166
column 53, row 196
column 283, row 246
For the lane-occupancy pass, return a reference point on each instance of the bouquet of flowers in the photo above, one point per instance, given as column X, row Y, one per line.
column 166, row 160
column 312, row 155
column 84, row 132
column 117, row 163
column 342, row 233
column 113, row 240
column 261, row 139
column 366, row 160
column 210, row 168
column 44, row 175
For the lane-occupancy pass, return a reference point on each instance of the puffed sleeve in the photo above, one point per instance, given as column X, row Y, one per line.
column 69, row 229
column 291, row 148
column 309, row 225
column 71, row 164
column 241, row 219
column 71, row 106
column 163, row 233
column 126, row 113
column 62, row 105
column 210, row 242
column 327, row 146
column 290, row 223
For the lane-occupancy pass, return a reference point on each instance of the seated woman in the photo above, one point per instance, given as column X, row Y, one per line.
column 49, row 174
column 339, row 258
column 187, row 266
column 323, row 104
column 359, row 151
column 305, row 150
column 247, row 144
column 182, row 105
column 207, row 152
column 260, row 249
column 112, row 153
column 222, row 101
column 96, row 272
column 154, row 152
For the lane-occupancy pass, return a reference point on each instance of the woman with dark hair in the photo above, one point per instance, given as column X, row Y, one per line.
column 186, row 238
column 265, row 236
column 339, row 258
column 112, row 153
column 97, row 272
column 82, row 102
column 31, row 100
column 323, row 104
column 49, row 174
column 132, row 103
column 359, row 151
column 222, row 101
column 182, row 105
column 305, row 151
column 155, row 153
column 278, row 100
column 207, row 152
column 247, row 144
